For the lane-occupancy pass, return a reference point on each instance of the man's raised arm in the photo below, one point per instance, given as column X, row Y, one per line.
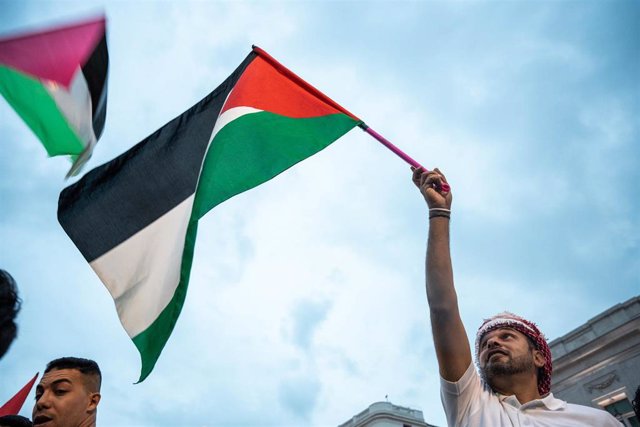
column 449, row 336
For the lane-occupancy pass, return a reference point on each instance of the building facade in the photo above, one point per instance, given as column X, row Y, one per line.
column 598, row 363
column 386, row 414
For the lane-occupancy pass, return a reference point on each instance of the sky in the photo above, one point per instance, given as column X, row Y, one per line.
column 306, row 302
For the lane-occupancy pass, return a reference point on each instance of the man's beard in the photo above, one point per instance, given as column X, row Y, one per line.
column 513, row 366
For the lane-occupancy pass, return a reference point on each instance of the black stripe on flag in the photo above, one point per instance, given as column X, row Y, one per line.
column 118, row 199
column 95, row 73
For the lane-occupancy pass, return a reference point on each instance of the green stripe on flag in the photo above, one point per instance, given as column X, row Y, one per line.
column 152, row 340
column 35, row 106
column 256, row 147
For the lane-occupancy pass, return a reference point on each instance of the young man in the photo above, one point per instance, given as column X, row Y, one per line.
column 512, row 355
column 68, row 394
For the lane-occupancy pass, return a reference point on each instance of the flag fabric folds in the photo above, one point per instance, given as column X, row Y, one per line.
column 135, row 218
column 56, row 80
column 13, row 405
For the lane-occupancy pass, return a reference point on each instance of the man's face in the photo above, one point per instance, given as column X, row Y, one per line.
column 63, row 400
column 505, row 351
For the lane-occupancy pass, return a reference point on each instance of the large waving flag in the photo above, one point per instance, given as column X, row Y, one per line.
column 135, row 218
column 56, row 80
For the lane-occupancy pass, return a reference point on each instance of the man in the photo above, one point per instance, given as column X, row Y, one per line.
column 68, row 394
column 9, row 307
column 512, row 355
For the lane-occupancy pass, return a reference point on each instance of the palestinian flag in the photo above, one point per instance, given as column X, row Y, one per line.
column 135, row 218
column 56, row 80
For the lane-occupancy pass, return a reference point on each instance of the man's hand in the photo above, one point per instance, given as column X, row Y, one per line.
column 430, row 185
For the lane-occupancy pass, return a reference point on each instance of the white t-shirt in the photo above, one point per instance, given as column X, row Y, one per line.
column 471, row 403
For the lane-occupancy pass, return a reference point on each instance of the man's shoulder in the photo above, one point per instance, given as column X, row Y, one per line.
column 575, row 407
column 600, row 416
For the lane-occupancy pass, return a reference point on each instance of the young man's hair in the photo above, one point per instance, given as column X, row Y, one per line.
column 85, row 366
column 9, row 308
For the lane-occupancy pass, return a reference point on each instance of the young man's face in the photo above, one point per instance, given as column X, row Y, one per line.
column 505, row 351
column 64, row 400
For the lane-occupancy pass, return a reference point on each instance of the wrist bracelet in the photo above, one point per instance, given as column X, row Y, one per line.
column 439, row 212
column 443, row 215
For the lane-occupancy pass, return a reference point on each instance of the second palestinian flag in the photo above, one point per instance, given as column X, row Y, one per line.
column 56, row 80
column 135, row 218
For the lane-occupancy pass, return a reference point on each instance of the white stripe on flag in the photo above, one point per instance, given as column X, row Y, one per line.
column 229, row 116
column 75, row 106
column 223, row 120
column 143, row 272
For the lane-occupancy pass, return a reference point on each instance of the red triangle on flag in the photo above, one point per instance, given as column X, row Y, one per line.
column 56, row 54
column 13, row 405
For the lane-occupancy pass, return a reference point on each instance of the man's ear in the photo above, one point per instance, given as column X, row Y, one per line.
column 94, row 399
column 538, row 359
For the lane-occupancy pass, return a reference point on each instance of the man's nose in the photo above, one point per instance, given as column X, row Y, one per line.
column 492, row 342
column 44, row 401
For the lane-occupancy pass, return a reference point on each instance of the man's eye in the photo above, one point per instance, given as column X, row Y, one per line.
column 60, row 392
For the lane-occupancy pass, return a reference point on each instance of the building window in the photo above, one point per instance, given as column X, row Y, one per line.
column 623, row 411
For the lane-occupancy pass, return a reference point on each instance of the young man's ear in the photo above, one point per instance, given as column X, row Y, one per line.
column 538, row 359
column 94, row 399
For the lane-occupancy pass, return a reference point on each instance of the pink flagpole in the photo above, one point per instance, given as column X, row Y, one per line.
column 404, row 156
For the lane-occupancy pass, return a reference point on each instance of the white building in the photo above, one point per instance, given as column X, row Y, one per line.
column 386, row 414
column 598, row 363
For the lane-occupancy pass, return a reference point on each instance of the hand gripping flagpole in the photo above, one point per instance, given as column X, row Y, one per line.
column 404, row 156
column 295, row 78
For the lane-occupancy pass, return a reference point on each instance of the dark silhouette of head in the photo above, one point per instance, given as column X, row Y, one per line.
column 9, row 307
column 15, row 421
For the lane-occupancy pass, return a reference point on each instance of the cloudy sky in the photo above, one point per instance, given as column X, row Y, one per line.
column 306, row 302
